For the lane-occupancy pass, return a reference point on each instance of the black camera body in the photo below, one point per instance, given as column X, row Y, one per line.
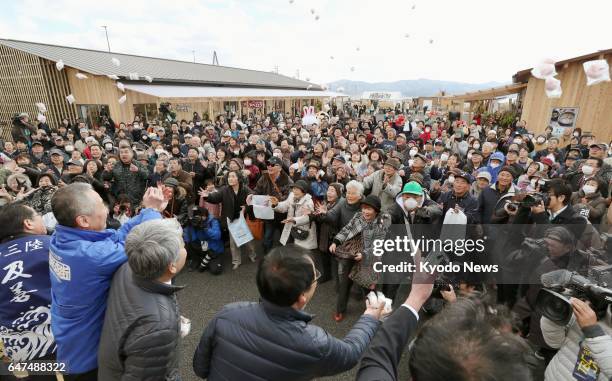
column 197, row 217
column 553, row 301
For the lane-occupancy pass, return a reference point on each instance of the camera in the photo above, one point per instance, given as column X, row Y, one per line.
column 527, row 200
column 553, row 301
column 197, row 217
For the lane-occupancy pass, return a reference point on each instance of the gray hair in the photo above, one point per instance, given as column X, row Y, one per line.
column 72, row 201
column 152, row 246
column 354, row 184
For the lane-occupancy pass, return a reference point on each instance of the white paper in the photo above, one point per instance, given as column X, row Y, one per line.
column 285, row 234
column 263, row 212
column 260, row 200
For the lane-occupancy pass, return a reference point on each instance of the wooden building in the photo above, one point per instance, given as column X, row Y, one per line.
column 28, row 75
column 593, row 104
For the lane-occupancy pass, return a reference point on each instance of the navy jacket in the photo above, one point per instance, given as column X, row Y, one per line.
column 262, row 341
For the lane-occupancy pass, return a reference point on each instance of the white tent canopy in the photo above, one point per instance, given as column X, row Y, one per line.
column 181, row 91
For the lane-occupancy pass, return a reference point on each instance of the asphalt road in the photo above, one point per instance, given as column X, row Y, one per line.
column 205, row 294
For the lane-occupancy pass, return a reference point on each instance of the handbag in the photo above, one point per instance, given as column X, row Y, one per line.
column 363, row 275
column 349, row 248
column 256, row 226
column 299, row 233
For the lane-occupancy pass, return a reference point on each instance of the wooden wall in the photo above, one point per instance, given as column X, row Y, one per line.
column 594, row 102
column 25, row 80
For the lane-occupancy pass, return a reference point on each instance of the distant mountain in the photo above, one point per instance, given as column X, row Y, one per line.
column 411, row 87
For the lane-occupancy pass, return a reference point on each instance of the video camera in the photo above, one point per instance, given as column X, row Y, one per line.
column 553, row 301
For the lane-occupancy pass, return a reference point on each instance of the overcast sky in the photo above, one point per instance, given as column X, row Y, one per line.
column 473, row 41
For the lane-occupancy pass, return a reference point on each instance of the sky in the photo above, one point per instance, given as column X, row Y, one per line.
column 472, row 41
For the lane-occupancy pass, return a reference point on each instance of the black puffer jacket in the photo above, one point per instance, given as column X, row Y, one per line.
column 262, row 341
column 127, row 182
column 141, row 333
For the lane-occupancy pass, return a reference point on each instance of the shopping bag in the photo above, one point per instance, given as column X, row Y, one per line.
column 256, row 226
column 239, row 230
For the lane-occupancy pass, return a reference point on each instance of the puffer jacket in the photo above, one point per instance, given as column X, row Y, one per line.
column 263, row 341
column 386, row 192
column 597, row 338
column 594, row 209
column 141, row 333
column 300, row 211
column 127, row 182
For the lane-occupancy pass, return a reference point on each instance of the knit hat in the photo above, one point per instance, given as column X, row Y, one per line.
column 416, row 176
column 372, row 201
column 484, row 174
column 412, row 187
column 171, row 182
column 393, row 162
column 302, row 185
column 508, row 169
column 547, row 161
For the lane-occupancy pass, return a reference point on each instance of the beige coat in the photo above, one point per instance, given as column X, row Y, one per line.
column 300, row 211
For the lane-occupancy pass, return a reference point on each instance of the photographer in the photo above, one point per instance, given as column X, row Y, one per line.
column 584, row 345
column 202, row 235
column 555, row 208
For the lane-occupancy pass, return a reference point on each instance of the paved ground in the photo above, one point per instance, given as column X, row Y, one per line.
column 206, row 294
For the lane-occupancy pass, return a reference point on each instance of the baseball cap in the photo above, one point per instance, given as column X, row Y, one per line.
column 412, row 187
column 56, row 151
column 75, row 162
column 274, row 161
column 484, row 175
column 602, row 146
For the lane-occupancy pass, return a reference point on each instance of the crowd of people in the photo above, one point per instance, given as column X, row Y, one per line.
column 114, row 211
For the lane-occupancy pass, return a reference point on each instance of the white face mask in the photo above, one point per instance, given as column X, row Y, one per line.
column 410, row 203
column 587, row 170
column 413, row 152
column 248, row 162
column 494, row 165
column 158, row 151
column 207, row 146
column 518, row 141
column 109, row 147
column 588, row 189
column 278, row 154
column 443, row 157
column 451, row 179
column 69, row 149
column 540, row 140
column 476, row 146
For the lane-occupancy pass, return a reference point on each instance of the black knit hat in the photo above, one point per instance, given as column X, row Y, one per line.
column 301, row 184
column 372, row 201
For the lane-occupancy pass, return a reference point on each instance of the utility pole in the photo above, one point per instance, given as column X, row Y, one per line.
column 215, row 60
column 193, row 52
column 276, row 69
column 106, row 32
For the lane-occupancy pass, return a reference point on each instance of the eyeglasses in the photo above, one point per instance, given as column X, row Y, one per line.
column 317, row 276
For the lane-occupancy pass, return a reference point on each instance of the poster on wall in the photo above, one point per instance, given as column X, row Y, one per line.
column 562, row 118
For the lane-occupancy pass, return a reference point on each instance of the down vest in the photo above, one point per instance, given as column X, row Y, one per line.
column 262, row 341
column 140, row 338
column 597, row 338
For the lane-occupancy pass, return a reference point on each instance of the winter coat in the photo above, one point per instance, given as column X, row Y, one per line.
column 231, row 202
column 424, row 222
column 598, row 339
column 326, row 230
column 386, row 192
column 265, row 187
column 263, row 341
column 40, row 199
column 340, row 214
column 141, row 333
column 371, row 231
column 82, row 264
column 594, row 209
column 211, row 234
column 127, row 182
column 300, row 211
column 491, row 201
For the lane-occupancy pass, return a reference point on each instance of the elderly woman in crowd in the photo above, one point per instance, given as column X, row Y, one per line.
column 353, row 246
